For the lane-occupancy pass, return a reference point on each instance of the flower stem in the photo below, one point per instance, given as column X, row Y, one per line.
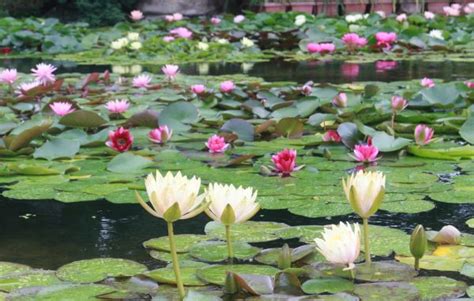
column 366, row 241
column 417, row 264
column 230, row 252
column 353, row 276
column 174, row 254
column 393, row 121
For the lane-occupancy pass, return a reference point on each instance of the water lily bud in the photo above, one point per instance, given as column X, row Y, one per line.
column 449, row 235
column 284, row 259
column 230, row 286
column 365, row 192
column 418, row 242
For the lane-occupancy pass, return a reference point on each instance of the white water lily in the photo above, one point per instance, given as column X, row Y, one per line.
column 365, row 191
column 119, row 43
column 231, row 205
column 203, row 46
column 173, row 197
column 246, row 42
column 437, row 34
column 300, row 20
column 135, row 45
column 133, row 36
column 354, row 18
column 449, row 235
column 340, row 244
column 222, row 41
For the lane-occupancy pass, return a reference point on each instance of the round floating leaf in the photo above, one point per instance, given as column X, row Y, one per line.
column 215, row 251
column 64, row 292
column 248, row 232
column 128, row 163
column 216, row 273
column 396, row 291
column 28, row 279
column 243, row 129
column 314, row 209
column 387, row 143
column 439, row 288
column 327, row 285
column 58, row 148
column 178, row 115
column 10, row 267
column 166, row 275
column 82, row 119
column 467, row 130
column 468, row 270
column 184, row 242
column 470, row 291
column 97, row 269
column 385, row 271
column 166, row 256
column 470, row 223
column 197, row 296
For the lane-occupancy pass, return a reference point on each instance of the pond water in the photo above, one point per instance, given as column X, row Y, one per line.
column 330, row 71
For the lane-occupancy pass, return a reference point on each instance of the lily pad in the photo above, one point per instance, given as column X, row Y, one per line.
column 94, row 270
column 439, row 288
column 327, row 285
column 31, row 278
column 247, row 232
column 57, row 148
column 215, row 251
column 128, row 163
column 64, row 292
column 216, row 274
column 10, row 267
column 166, row 275
column 184, row 242
column 398, row 291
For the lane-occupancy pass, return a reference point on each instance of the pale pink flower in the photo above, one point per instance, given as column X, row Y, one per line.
column 398, row 103
column 25, row 87
column 313, row 47
column 427, row 82
column 168, row 39
column 239, row 19
column 227, row 86
column 198, row 89
column 423, row 134
column 285, row 161
column 469, row 8
column 160, row 135
column 170, row 71
column 216, row 144
column 456, row 6
column 381, row 13
column 169, row 18
column 136, row 15
column 331, row 136
column 353, row 41
column 385, row 39
column 327, row 48
column 117, row 106
column 451, row 11
column 469, row 84
column 8, row 76
column 401, row 18
column 382, row 66
column 215, row 20
column 177, row 16
column 61, row 108
column 340, row 100
column 44, row 73
column 307, row 88
column 365, row 153
column 141, row 81
column 182, row 32
column 429, row 15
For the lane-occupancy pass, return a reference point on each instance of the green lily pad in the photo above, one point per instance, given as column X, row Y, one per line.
column 197, row 296
column 128, row 163
column 439, row 288
column 216, row 274
column 166, row 256
column 468, row 270
column 398, row 291
column 215, row 251
column 384, row 271
column 247, row 232
column 184, row 242
column 30, row 278
column 327, row 285
column 57, row 148
column 10, row 267
column 94, row 270
column 470, row 223
column 166, row 275
column 470, row 291
column 61, row 292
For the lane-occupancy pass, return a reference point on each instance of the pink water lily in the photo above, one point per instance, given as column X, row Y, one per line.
column 25, row 87
column 452, row 11
column 285, row 162
column 469, row 84
column 168, row 39
column 340, row 100
column 427, row 82
column 8, row 76
column 141, row 81
column 307, row 88
column 398, row 103
column 429, row 15
column 353, row 41
column 216, row 144
column 120, row 140
column 239, row 19
column 227, row 86
column 365, row 153
column 117, row 106
column 215, row 20
column 423, row 134
column 198, row 89
column 313, row 47
column 44, row 73
column 182, row 32
column 160, row 135
column 170, row 71
column 331, row 136
column 136, row 15
column 385, row 39
column 61, row 108
column 401, row 18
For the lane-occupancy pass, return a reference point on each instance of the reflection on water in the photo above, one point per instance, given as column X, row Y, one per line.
column 59, row 233
column 324, row 71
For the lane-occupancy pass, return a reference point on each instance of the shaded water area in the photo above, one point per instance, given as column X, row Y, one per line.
column 58, row 233
column 329, row 71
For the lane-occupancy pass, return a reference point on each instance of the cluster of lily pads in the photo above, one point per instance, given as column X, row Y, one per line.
column 253, row 37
